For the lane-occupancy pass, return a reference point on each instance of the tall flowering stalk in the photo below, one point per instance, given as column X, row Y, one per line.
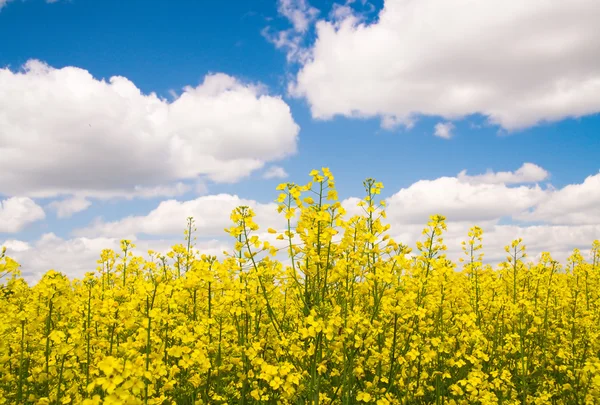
column 329, row 309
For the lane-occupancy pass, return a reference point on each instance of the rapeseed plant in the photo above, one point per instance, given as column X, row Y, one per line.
column 349, row 316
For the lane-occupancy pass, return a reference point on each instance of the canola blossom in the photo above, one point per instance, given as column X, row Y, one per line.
column 337, row 313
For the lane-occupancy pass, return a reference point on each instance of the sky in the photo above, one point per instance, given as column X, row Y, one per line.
column 121, row 119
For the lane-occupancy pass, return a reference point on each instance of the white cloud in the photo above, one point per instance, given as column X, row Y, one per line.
column 289, row 41
column 165, row 224
column 558, row 240
column 275, row 172
column 211, row 214
column 528, row 173
column 77, row 256
column 484, row 200
column 96, row 138
column 460, row 201
column 444, row 130
column 16, row 245
column 302, row 16
column 339, row 12
column 518, row 63
column 574, row 204
column 18, row 212
column 173, row 190
column 567, row 218
column 299, row 12
column 66, row 208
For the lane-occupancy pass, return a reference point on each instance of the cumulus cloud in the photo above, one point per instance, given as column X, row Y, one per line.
column 528, row 173
column 18, row 212
column 275, row 172
column 574, row 204
column 506, row 206
column 97, row 138
column 173, row 190
column 66, row 208
column 77, row 256
column 299, row 12
column 211, row 214
column 565, row 218
column 288, row 41
column 516, row 63
column 559, row 240
column 301, row 15
column 491, row 200
column 165, row 224
column 443, row 130
column 461, row 201
column 16, row 245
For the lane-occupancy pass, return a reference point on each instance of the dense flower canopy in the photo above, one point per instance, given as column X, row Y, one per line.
column 332, row 311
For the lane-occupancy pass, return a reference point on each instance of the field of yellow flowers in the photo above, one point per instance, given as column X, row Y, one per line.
column 348, row 316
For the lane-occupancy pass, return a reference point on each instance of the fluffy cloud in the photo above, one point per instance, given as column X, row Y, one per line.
column 559, row 240
column 74, row 257
column 528, row 173
column 96, row 138
column 566, row 218
column 461, row 201
column 490, row 200
column 517, row 63
column 556, row 239
column 165, row 224
column 18, row 212
column 299, row 12
column 575, row 204
column 443, row 130
column 301, row 16
column 275, row 172
column 66, row 208
column 211, row 214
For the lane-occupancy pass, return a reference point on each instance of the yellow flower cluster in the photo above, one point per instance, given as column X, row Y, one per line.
column 342, row 314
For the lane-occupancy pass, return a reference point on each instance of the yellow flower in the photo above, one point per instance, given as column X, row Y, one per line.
column 342, row 313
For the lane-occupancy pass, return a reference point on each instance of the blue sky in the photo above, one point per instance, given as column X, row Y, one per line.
column 325, row 70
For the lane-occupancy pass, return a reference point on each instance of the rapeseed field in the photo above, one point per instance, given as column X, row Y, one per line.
column 341, row 314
